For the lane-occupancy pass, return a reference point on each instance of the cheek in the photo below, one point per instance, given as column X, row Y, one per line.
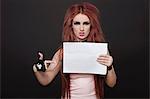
column 75, row 29
column 88, row 30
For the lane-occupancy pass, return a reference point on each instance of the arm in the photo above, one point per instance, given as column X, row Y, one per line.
column 111, row 77
column 52, row 70
column 107, row 60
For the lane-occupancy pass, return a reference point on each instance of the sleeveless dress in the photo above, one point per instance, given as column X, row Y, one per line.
column 82, row 86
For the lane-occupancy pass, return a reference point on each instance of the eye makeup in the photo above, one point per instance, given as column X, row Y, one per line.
column 84, row 23
column 76, row 23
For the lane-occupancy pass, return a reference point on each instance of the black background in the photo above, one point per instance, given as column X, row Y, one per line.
column 32, row 25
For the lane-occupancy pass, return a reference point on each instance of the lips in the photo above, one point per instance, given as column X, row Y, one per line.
column 81, row 33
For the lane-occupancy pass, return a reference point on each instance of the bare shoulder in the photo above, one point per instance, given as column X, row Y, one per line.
column 59, row 51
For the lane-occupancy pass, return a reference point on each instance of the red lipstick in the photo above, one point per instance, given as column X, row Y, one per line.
column 81, row 33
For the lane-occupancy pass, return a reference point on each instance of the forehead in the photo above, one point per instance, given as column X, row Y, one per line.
column 81, row 17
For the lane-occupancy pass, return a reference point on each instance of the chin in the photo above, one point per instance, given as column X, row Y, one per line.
column 83, row 39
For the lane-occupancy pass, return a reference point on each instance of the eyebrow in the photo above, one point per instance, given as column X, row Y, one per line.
column 86, row 22
column 77, row 22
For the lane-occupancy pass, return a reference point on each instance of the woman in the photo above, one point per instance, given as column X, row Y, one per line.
column 81, row 24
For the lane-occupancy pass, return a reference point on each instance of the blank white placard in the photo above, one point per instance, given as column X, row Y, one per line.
column 80, row 57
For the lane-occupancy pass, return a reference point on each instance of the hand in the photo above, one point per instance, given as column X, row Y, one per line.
column 41, row 62
column 46, row 62
column 106, row 60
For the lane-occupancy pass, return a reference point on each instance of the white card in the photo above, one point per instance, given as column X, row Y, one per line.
column 80, row 57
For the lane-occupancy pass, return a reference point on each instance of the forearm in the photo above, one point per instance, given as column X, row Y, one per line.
column 111, row 78
column 42, row 78
column 52, row 68
column 46, row 77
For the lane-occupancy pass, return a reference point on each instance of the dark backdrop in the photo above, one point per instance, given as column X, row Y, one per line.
column 32, row 25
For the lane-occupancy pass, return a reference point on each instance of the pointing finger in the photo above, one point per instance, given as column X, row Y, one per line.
column 40, row 55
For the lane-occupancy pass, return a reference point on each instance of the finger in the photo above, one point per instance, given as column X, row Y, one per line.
column 106, row 56
column 34, row 68
column 47, row 63
column 108, row 60
column 103, row 58
column 105, row 62
column 40, row 55
column 102, row 62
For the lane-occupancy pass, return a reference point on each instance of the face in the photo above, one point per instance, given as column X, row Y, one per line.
column 81, row 26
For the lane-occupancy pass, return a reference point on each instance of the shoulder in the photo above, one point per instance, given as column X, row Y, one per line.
column 59, row 51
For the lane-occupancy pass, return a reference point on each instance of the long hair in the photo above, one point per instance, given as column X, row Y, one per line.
column 95, row 35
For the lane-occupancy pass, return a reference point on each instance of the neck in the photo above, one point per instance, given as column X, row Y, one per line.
column 81, row 40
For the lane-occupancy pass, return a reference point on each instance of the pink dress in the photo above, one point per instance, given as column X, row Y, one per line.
column 82, row 86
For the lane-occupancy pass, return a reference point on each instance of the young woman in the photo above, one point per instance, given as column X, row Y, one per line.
column 81, row 24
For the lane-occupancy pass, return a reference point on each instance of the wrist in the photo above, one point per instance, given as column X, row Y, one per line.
column 109, row 68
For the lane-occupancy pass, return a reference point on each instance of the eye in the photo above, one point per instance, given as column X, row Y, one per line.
column 86, row 23
column 76, row 23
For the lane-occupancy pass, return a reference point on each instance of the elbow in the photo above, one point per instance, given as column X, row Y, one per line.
column 111, row 83
column 44, row 82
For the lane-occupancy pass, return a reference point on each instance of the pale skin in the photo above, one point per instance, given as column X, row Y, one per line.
column 81, row 28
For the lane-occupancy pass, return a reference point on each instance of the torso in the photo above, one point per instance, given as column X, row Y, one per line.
column 82, row 86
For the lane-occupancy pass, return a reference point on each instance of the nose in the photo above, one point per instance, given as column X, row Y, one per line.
column 81, row 28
